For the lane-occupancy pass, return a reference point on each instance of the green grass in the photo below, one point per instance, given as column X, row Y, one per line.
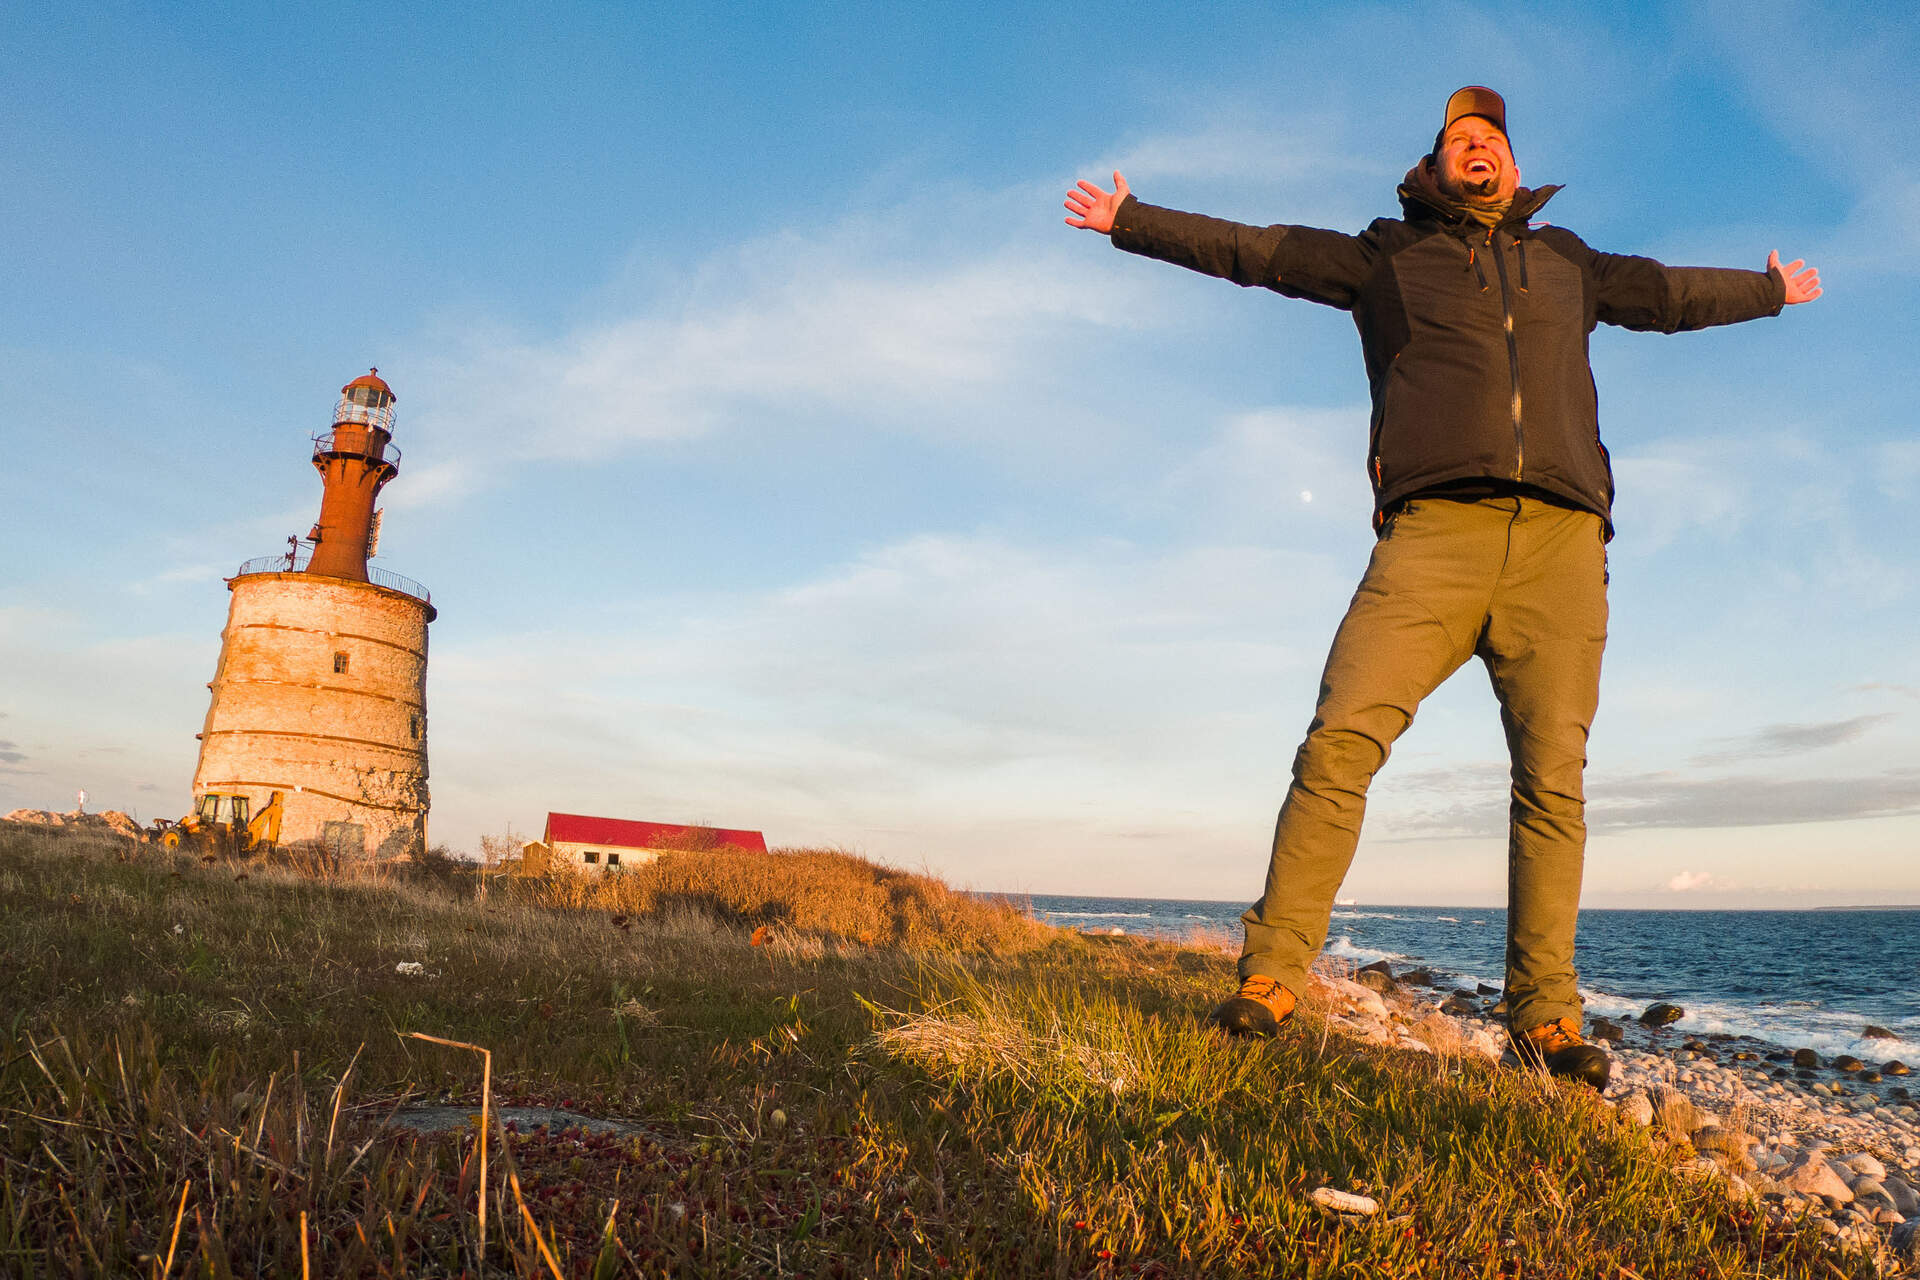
column 1011, row 1101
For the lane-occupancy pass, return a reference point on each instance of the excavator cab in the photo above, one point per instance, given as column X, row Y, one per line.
column 223, row 824
column 217, row 810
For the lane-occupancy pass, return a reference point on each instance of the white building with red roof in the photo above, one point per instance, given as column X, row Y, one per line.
column 586, row 843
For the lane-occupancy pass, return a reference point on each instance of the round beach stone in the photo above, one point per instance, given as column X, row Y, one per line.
column 1847, row 1062
column 1878, row 1033
column 1601, row 1029
column 1805, row 1059
column 1864, row 1164
column 1904, row 1198
column 1376, row 980
column 1661, row 1013
column 1811, row 1175
column 1870, row 1195
column 1895, row 1068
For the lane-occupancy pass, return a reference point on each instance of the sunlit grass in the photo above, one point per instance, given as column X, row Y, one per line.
column 858, row 1094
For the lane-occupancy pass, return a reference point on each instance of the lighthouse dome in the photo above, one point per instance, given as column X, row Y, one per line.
column 371, row 381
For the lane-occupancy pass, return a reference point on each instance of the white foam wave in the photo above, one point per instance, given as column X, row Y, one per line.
column 1365, row 915
column 1790, row 1024
column 1343, row 947
column 1101, row 915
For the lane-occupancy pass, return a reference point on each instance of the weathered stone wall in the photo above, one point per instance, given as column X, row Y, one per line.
column 347, row 748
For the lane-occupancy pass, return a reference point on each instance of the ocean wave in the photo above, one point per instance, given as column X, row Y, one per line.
column 1793, row 1024
column 1102, row 915
column 1448, row 919
column 1341, row 913
column 1343, row 947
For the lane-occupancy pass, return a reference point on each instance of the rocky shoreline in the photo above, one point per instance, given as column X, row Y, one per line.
column 1783, row 1129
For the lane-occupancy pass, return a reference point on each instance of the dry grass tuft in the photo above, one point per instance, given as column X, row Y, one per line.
column 803, row 894
column 985, row 1043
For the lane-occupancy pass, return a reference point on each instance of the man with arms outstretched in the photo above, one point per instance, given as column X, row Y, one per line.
column 1492, row 505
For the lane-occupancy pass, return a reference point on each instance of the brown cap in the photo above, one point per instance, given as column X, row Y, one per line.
column 1476, row 100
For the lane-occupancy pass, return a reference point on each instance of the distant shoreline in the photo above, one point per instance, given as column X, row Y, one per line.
column 1437, row 906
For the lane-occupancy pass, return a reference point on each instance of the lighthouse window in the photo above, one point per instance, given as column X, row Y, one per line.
column 339, row 664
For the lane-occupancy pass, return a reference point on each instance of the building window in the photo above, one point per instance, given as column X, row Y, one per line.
column 613, row 860
column 590, row 856
column 413, row 726
column 339, row 664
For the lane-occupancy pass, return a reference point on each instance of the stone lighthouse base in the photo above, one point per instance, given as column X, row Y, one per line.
column 321, row 695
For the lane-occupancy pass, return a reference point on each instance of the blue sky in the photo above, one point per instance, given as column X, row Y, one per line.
column 777, row 457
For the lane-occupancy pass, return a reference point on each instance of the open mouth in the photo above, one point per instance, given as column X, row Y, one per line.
column 1480, row 168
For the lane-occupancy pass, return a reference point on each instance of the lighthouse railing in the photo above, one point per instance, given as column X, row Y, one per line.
column 297, row 562
column 359, row 444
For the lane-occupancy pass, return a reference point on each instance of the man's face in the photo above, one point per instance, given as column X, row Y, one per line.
column 1474, row 163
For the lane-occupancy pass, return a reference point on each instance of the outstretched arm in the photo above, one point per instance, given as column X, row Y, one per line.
column 1300, row 262
column 1093, row 208
column 1639, row 293
column 1801, row 287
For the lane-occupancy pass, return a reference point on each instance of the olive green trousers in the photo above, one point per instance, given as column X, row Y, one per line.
column 1521, row 584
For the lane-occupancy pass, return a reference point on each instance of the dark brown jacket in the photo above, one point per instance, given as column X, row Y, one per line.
column 1475, row 339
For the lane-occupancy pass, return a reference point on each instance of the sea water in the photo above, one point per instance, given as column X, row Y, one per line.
column 1790, row 978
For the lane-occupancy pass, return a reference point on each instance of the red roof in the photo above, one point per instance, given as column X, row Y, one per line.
column 580, row 828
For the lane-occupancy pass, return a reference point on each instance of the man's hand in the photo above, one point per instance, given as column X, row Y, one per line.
column 1093, row 208
column 1803, row 287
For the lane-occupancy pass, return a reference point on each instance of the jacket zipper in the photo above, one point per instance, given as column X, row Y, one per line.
column 1513, row 353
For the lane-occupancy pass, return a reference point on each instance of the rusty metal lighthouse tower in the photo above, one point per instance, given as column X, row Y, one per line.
column 354, row 465
column 320, row 693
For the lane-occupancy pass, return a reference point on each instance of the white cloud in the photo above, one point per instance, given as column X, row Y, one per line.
column 876, row 320
column 1689, row 881
column 1675, row 487
column 1060, row 696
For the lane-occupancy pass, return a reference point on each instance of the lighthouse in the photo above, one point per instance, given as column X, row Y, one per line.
column 320, row 691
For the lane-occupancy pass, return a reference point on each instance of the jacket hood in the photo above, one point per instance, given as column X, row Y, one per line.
column 1421, row 199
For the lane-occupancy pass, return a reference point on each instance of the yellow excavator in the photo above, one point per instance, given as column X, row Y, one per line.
column 220, row 825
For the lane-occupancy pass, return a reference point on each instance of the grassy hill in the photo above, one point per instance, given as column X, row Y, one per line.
column 826, row 1068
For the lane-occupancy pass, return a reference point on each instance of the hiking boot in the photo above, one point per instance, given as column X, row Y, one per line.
column 1559, row 1048
column 1257, row 1009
